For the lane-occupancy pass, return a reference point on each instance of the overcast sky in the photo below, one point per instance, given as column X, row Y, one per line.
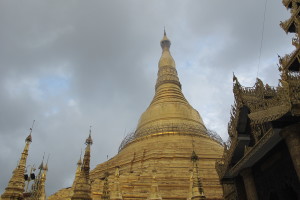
column 71, row 64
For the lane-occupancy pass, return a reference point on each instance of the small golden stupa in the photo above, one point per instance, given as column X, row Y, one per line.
column 157, row 160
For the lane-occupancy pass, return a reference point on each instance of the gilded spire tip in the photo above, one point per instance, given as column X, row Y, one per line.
column 79, row 163
column 165, row 42
column 46, row 165
column 29, row 137
column 89, row 139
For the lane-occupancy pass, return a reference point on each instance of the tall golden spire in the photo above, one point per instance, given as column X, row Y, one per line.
column 169, row 111
column 43, row 182
column 82, row 188
column 38, row 188
column 16, row 184
column 77, row 174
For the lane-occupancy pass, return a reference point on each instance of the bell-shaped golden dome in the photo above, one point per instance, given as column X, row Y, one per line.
column 169, row 111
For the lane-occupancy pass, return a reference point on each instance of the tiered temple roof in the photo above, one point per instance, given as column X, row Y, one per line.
column 260, row 111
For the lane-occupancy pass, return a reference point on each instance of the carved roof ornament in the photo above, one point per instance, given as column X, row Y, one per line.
column 291, row 24
column 266, row 103
column 16, row 184
column 287, row 3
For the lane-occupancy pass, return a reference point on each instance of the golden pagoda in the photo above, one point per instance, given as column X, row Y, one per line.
column 154, row 162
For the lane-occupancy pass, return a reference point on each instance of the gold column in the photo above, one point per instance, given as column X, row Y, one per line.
column 249, row 184
column 291, row 134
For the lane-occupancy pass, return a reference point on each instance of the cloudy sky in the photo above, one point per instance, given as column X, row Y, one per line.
column 71, row 64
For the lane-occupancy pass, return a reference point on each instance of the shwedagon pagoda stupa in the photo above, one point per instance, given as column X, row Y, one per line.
column 158, row 154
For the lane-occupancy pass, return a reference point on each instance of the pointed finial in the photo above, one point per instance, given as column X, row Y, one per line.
column 234, row 78
column 29, row 137
column 32, row 126
column 46, row 166
column 42, row 164
column 80, row 161
column 165, row 42
column 89, row 139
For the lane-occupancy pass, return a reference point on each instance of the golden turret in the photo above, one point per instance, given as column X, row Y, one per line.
column 78, row 170
column 43, row 181
column 82, row 186
column 15, row 188
column 77, row 175
column 169, row 111
column 39, row 191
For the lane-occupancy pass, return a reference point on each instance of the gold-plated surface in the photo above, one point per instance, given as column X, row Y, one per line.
column 82, row 184
column 162, row 143
column 116, row 193
column 16, row 184
column 38, row 188
column 169, row 108
column 154, row 193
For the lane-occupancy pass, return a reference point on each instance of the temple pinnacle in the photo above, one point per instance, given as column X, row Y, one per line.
column 89, row 139
column 165, row 43
column 82, row 183
column 16, row 184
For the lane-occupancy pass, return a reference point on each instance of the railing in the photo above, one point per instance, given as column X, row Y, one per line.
column 171, row 129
